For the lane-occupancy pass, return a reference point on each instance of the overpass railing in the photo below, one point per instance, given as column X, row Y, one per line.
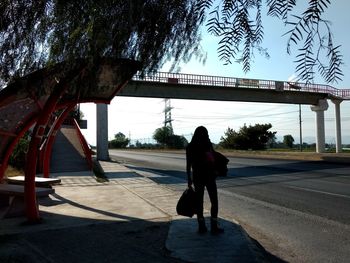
column 217, row 81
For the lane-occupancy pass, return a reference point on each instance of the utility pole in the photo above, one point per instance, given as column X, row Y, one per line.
column 167, row 114
column 294, row 85
column 300, row 130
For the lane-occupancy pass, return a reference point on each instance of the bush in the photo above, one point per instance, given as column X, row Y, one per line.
column 167, row 138
column 254, row 137
column 119, row 141
column 18, row 156
column 177, row 142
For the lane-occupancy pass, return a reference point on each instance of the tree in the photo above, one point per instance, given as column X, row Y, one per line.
column 166, row 137
column 36, row 34
column 162, row 135
column 288, row 140
column 119, row 141
column 177, row 142
column 248, row 137
column 230, row 139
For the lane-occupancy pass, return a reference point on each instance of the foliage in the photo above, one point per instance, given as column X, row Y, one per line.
column 248, row 137
column 239, row 26
column 11, row 171
column 77, row 114
column 167, row 138
column 119, row 141
column 162, row 135
column 18, row 156
column 288, row 140
column 140, row 145
column 35, row 34
column 177, row 142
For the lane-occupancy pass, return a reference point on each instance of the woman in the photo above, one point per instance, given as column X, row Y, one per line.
column 200, row 172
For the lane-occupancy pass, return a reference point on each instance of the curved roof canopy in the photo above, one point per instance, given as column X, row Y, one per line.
column 23, row 100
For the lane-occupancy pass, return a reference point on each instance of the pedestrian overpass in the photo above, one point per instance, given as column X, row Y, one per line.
column 203, row 87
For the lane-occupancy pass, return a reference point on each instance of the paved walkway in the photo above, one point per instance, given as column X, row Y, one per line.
column 130, row 217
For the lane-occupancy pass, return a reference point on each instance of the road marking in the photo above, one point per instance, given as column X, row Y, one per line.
column 286, row 210
column 318, row 191
column 258, row 180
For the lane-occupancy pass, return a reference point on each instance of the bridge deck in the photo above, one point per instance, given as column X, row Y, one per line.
column 218, row 81
column 186, row 86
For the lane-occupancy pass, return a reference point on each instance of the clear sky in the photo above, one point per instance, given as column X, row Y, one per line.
column 138, row 118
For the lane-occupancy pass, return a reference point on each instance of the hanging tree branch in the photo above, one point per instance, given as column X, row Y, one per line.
column 240, row 35
column 38, row 33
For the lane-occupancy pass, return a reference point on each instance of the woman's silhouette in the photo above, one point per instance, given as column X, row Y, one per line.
column 200, row 172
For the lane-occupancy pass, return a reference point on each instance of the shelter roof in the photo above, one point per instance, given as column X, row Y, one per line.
column 22, row 100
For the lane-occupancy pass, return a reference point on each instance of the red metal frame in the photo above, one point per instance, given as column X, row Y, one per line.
column 32, row 211
column 84, row 144
column 13, row 144
column 41, row 157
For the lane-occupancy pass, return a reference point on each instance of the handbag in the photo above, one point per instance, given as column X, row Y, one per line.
column 220, row 164
column 187, row 204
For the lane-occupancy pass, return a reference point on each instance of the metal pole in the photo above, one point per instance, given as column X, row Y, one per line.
column 300, row 130
column 102, row 131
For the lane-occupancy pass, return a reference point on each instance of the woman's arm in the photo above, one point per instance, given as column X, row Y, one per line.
column 188, row 167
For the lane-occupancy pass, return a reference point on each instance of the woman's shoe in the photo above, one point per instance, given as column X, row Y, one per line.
column 215, row 229
column 201, row 226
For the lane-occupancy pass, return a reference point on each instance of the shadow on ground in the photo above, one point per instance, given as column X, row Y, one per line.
column 234, row 245
column 112, row 235
column 281, row 173
column 135, row 240
column 62, row 238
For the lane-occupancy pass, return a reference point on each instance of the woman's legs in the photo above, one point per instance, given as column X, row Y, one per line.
column 199, row 189
column 213, row 195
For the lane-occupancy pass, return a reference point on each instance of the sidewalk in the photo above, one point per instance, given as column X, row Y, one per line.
column 129, row 218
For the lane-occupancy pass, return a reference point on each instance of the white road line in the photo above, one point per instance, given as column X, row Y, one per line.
column 258, row 180
column 286, row 210
column 318, row 191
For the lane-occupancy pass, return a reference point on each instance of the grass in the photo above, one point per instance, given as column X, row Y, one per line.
column 11, row 171
column 290, row 150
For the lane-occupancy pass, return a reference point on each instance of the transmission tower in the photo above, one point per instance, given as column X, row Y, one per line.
column 167, row 114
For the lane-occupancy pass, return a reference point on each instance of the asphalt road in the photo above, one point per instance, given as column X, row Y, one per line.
column 297, row 210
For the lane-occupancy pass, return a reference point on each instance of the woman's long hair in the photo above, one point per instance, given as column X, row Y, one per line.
column 200, row 139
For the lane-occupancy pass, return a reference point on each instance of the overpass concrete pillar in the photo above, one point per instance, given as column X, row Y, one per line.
column 338, row 147
column 102, row 131
column 320, row 131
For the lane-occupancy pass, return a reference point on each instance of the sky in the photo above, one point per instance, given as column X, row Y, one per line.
column 138, row 118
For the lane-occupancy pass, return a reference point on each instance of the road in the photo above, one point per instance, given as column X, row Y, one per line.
column 298, row 211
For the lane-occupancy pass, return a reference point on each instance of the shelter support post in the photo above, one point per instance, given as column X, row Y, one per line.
column 338, row 144
column 319, row 109
column 32, row 211
column 102, row 131
column 12, row 145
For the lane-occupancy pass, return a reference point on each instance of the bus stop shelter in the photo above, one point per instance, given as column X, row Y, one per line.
column 40, row 102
